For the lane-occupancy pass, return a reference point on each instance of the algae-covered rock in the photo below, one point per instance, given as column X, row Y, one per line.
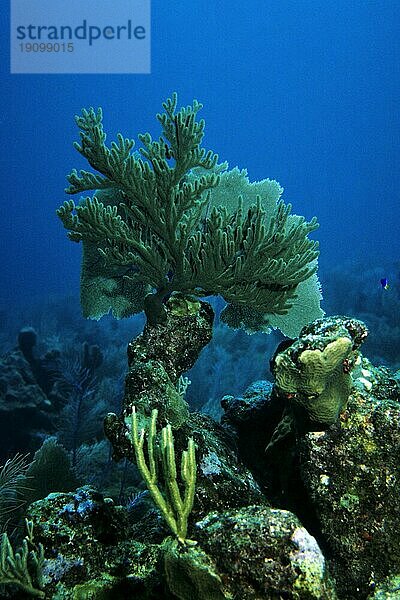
column 342, row 479
column 103, row 588
column 157, row 358
column 388, row 590
column 351, row 474
column 223, row 481
column 190, row 573
column 264, row 553
column 91, row 551
column 25, row 410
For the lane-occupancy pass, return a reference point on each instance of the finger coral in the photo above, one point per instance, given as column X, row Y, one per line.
column 174, row 506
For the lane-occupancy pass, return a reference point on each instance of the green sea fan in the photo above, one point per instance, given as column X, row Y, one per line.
column 174, row 220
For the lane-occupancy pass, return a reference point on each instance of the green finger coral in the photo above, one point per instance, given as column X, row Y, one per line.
column 174, row 506
column 171, row 219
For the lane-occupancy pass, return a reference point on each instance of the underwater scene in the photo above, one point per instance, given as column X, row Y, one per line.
column 200, row 300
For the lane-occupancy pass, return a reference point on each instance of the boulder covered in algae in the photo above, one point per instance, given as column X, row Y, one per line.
column 92, row 548
column 261, row 552
column 157, row 358
column 351, row 476
column 341, row 479
column 223, row 481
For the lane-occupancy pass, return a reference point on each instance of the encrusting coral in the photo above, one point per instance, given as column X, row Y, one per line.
column 171, row 220
column 313, row 374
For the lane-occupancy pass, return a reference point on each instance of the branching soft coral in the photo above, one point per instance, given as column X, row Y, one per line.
column 163, row 222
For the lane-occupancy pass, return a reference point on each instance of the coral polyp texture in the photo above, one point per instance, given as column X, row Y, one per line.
column 171, row 219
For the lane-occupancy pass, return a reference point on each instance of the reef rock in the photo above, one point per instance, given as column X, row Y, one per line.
column 223, row 481
column 351, row 474
column 94, row 549
column 261, row 552
column 91, row 550
column 24, row 405
column 332, row 434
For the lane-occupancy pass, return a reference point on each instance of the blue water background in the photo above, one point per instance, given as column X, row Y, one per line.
column 305, row 92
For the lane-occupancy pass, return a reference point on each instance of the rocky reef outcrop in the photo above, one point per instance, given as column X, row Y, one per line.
column 296, row 492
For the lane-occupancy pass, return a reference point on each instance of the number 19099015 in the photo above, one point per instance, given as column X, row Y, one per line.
column 46, row 47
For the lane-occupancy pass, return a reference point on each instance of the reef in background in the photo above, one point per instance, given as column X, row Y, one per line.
column 311, row 517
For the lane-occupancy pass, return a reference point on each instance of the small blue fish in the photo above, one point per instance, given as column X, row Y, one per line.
column 384, row 283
